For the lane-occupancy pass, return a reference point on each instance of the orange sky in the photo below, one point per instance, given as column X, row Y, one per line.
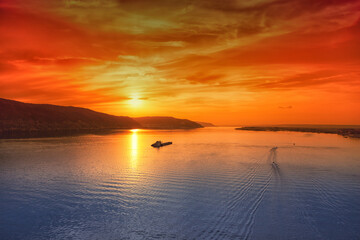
column 227, row 62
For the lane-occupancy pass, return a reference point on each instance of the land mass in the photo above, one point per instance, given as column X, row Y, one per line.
column 343, row 130
column 24, row 120
column 18, row 119
column 167, row 123
column 206, row 124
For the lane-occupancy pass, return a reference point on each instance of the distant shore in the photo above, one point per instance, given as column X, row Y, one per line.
column 24, row 134
column 344, row 131
column 27, row 120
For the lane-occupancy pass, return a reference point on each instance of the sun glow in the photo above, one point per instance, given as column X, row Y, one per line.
column 135, row 102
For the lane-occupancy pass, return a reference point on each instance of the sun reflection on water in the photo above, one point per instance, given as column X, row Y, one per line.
column 134, row 149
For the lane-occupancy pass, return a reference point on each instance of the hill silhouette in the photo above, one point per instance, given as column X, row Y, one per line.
column 26, row 119
column 167, row 123
column 206, row 124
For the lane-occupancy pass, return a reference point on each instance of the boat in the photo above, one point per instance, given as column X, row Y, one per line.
column 158, row 144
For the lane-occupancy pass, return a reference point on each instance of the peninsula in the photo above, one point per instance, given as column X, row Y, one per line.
column 343, row 130
column 167, row 123
column 206, row 124
column 24, row 120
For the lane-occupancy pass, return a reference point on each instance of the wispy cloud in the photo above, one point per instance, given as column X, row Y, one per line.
column 245, row 55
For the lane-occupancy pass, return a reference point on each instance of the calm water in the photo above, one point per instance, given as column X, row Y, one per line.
column 212, row 183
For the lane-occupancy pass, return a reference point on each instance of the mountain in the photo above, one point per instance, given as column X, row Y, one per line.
column 167, row 123
column 24, row 119
column 206, row 124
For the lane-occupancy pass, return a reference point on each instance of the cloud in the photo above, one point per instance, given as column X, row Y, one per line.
column 305, row 80
column 285, row 107
column 47, row 36
column 6, row 67
column 203, row 77
column 242, row 54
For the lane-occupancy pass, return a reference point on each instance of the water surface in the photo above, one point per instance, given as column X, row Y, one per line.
column 212, row 183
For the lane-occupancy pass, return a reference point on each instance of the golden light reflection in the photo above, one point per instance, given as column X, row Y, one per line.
column 134, row 149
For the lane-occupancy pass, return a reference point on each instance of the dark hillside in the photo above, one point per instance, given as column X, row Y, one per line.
column 17, row 117
column 167, row 123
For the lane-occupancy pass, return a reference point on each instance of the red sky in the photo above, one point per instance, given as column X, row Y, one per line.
column 227, row 62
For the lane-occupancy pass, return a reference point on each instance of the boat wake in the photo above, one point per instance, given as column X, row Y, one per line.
column 272, row 159
column 242, row 207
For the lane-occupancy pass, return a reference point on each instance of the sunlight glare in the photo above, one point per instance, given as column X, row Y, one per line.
column 135, row 102
column 134, row 149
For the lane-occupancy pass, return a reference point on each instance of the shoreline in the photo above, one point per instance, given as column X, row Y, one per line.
column 345, row 132
column 25, row 134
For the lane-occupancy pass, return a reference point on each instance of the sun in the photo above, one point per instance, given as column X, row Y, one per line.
column 135, row 102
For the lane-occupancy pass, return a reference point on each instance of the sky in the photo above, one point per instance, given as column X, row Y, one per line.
column 226, row 62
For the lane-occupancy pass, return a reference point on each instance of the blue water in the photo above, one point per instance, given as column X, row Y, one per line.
column 212, row 183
